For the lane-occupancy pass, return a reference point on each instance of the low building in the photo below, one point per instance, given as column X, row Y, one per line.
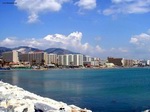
column 102, row 62
column 109, row 65
column 93, row 62
column 142, row 63
column 128, row 62
column 115, row 61
column 87, row 58
column 148, row 62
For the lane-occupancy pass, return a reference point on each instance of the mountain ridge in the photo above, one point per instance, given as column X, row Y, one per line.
column 26, row 49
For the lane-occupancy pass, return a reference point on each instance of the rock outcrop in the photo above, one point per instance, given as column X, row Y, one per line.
column 16, row 99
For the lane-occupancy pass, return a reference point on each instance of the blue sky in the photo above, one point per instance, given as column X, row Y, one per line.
column 118, row 28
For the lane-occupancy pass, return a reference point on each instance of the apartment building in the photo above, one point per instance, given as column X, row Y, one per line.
column 11, row 56
column 70, row 60
column 90, row 61
column 121, row 62
column 115, row 61
column 52, row 58
column 34, row 57
column 87, row 58
column 60, row 60
column 127, row 62
column 78, row 60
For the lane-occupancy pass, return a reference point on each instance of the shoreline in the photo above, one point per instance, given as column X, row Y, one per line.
column 70, row 69
column 16, row 99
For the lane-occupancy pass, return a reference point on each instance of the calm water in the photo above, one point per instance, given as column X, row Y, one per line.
column 113, row 90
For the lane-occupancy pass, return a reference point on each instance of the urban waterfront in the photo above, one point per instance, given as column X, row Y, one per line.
column 101, row 90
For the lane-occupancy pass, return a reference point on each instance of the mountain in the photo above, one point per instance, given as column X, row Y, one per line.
column 25, row 49
column 4, row 49
column 59, row 51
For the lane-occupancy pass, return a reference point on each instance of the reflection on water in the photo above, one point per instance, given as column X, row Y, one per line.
column 44, row 81
column 15, row 78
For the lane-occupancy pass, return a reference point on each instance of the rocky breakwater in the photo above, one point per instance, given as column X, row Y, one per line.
column 15, row 99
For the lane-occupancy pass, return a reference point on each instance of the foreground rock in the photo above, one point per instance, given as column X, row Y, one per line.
column 15, row 99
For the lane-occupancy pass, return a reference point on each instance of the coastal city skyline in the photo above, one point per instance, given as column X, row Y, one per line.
column 27, row 57
column 117, row 28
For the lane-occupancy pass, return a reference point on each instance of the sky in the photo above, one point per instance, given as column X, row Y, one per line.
column 99, row 28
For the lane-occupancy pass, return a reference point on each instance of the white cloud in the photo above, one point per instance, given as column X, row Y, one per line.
column 8, row 41
column 72, row 42
column 34, row 7
column 32, row 18
column 134, row 40
column 86, row 4
column 120, row 1
column 141, row 40
column 118, row 50
column 139, row 46
column 128, row 7
column 99, row 49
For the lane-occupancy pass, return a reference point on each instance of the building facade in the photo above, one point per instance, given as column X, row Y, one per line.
column 78, row 60
column 115, row 61
column 127, row 62
column 11, row 56
column 60, row 60
column 34, row 58
column 52, row 58
column 70, row 60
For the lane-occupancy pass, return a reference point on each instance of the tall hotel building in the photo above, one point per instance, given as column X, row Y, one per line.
column 60, row 60
column 78, row 60
column 38, row 57
column 52, row 59
column 11, row 56
column 70, row 60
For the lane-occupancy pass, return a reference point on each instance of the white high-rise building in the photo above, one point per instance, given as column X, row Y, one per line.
column 70, row 60
column 66, row 59
column 60, row 60
column 11, row 56
column 52, row 59
column 78, row 60
column 148, row 62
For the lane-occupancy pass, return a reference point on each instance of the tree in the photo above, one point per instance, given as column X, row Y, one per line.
column 1, row 63
column 33, row 62
column 42, row 62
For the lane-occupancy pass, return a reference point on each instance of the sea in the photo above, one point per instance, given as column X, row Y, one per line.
column 100, row 90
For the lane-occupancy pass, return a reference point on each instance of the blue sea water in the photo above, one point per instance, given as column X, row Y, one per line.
column 101, row 90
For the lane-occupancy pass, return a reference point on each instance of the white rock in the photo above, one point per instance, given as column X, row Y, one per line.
column 2, row 89
column 15, row 99
column 3, row 104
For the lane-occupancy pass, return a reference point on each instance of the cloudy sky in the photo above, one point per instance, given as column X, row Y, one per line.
column 118, row 28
